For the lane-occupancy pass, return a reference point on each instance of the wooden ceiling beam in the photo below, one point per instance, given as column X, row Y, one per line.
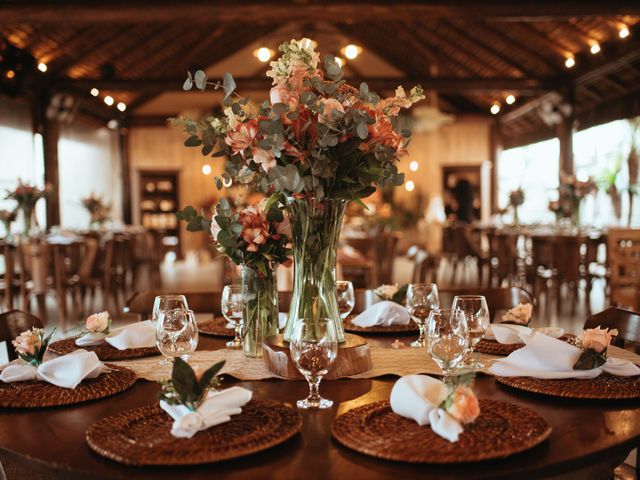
column 254, row 11
column 441, row 84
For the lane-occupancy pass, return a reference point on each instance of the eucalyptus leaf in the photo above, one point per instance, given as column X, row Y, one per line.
column 200, row 79
column 188, row 83
column 363, row 131
column 228, row 84
column 184, row 380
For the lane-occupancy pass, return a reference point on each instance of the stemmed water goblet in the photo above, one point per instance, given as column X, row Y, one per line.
column 232, row 309
column 167, row 302
column 447, row 338
column 176, row 334
column 477, row 314
column 314, row 348
column 421, row 299
column 345, row 297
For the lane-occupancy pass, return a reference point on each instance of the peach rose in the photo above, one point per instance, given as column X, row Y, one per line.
column 464, row 406
column 242, row 138
column 28, row 342
column 265, row 158
column 519, row 314
column 597, row 339
column 98, row 322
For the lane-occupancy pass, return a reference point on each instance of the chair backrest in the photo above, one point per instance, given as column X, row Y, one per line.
column 424, row 265
column 386, row 245
column 623, row 258
column 35, row 265
column 141, row 303
column 12, row 324
column 626, row 322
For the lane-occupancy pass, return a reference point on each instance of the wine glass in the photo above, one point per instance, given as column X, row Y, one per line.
column 421, row 299
column 168, row 302
column 176, row 334
column 232, row 309
column 346, row 298
column 314, row 348
column 447, row 338
column 477, row 313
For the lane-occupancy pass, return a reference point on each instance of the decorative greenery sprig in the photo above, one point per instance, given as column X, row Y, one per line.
column 187, row 387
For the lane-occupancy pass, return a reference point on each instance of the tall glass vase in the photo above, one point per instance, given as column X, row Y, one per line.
column 27, row 218
column 315, row 230
column 260, row 319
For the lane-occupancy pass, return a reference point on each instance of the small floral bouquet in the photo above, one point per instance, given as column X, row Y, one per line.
column 461, row 403
column 189, row 386
column 31, row 345
column 26, row 196
column 571, row 192
column 518, row 315
column 516, row 198
column 98, row 209
column 98, row 323
column 7, row 217
column 392, row 293
column 594, row 343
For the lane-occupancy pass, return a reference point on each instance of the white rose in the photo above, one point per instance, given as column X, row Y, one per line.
column 98, row 322
column 386, row 291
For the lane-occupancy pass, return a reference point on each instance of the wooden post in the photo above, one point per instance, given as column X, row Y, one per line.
column 495, row 148
column 125, row 167
column 50, row 131
column 564, row 132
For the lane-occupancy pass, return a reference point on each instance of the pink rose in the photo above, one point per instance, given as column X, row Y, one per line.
column 28, row 342
column 98, row 322
column 331, row 106
column 597, row 339
column 464, row 406
column 265, row 158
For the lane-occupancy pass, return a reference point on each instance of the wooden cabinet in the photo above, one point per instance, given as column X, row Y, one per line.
column 159, row 203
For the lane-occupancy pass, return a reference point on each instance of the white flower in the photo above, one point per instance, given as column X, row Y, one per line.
column 234, row 120
column 215, row 230
column 386, row 291
column 98, row 322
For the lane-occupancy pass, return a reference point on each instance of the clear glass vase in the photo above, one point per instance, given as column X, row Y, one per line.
column 27, row 218
column 315, row 230
column 260, row 319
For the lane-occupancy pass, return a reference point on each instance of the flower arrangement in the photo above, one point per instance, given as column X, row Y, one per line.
column 98, row 209
column 571, row 192
column 30, row 345
column 594, row 343
column 27, row 196
column 392, row 293
column 317, row 136
column 518, row 315
column 98, row 323
column 189, row 386
column 7, row 217
column 254, row 237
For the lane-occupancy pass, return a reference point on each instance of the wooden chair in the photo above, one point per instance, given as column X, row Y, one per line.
column 425, row 265
column 9, row 282
column 12, row 324
column 503, row 253
column 623, row 257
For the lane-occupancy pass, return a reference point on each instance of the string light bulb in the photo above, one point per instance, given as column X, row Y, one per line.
column 409, row 186
column 121, row 106
column 108, row 100
column 623, row 32
column 570, row 62
column 511, row 99
column 42, row 67
column 263, row 54
column 351, row 51
column 94, row 92
column 414, row 165
column 206, row 169
column 495, row 108
column 595, row 48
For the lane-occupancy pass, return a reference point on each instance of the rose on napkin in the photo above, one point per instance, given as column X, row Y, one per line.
column 430, row 402
column 392, row 293
column 31, row 344
column 98, row 323
column 594, row 343
column 518, row 315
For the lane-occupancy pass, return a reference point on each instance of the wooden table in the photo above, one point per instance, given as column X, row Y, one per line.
column 588, row 438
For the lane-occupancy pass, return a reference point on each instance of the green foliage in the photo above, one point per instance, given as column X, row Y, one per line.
column 590, row 359
column 184, row 388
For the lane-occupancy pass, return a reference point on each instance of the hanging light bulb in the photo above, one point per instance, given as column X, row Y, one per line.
column 95, row 92
column 263, row 54
column 42, row 67
column 595, row 48
column 511, row 99
column 206, row 169
column 623, row 32
column 351, row 51
column 569, row 62
column 414, row 165
column 121, row 106
column 409, row 186
column 108, row 100
column 495, row 108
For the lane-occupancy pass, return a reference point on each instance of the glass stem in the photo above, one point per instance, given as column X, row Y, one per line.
column 238, row 330
column 314, row 389
column 421, row 337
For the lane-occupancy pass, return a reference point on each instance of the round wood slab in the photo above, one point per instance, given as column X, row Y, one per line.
column 353, row 358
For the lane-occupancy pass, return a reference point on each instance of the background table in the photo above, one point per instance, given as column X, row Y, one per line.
column 588, row 438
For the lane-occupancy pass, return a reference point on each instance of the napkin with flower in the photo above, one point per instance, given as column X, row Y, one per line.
column 430, row 402
column 518, row 315
column 392, row 293
column 549, row 358
column 384, row 313
column 97, row 331
column 193, row 404
column 66, row 371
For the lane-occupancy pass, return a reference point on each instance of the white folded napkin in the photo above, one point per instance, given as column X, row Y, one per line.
column 510, row 334
column 216, row 409
column 136, row 335
column 89, row 339
column 550, row 358
column 66, row 371
column 418, row 397
column 383, row 313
